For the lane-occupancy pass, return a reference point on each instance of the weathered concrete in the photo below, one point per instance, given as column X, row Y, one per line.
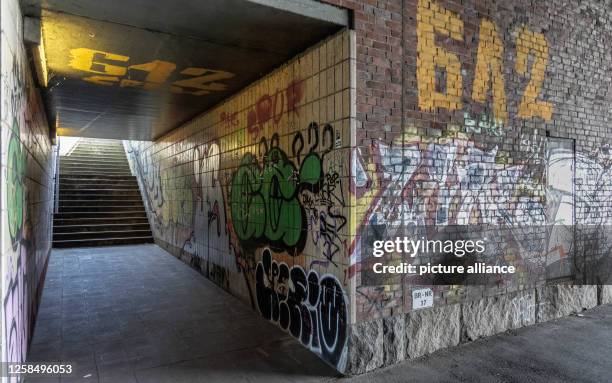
column 394, row 330
column 489, row 316
column 561, row 300
column 432, row 329
column 572, row 349
column 606, row 294
column 365, row 347
column 423, row 332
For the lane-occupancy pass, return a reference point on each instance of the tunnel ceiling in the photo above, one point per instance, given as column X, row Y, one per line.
column 137, row 69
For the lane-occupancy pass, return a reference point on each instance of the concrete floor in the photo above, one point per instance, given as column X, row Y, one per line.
column 137, row 314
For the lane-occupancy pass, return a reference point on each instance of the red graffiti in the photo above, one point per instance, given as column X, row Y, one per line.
column 229, row 119
column 272, row 107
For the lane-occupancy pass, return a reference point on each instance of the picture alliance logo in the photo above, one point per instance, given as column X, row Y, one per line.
column 412, row 248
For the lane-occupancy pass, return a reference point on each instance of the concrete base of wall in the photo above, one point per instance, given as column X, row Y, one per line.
column 605, row 296
column 558, row 301
column 388, row 341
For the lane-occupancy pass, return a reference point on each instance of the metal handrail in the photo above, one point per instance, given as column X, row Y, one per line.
column 56, row 178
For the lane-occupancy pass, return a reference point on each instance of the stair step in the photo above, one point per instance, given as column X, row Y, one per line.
column 102, row 242
column 98, row 156
column 109, row 227
column 86, row 172
column 74, row 188
column 98, row 208
column 99, row 189
column 105, row 148
column 100, row 166
column 104, row 170
column 90, row 166
column 128, row 220
column 89, row 177
column 92, row 162
column 101, row 234
column 105, row 178
column 95, row 148
column 92, row 156
column 119, row 202
column 113, row 145
column 95, row 156
column 100, row 214
column 113, row 195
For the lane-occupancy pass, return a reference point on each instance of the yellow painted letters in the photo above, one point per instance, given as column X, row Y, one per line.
column 90, row 60
column 489, row 70
column 431, row 20
column 531, row 43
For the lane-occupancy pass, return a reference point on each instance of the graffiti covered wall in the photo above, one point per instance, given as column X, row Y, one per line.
column 486, row 88
column 457, row 109
column 254, row 194
column 27, row 190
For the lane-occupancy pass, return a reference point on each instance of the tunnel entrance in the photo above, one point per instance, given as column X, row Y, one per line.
column 174, row 113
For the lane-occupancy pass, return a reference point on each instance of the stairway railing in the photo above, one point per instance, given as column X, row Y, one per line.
column 56, row 178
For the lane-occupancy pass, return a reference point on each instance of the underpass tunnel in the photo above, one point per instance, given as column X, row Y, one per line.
column 199, row 144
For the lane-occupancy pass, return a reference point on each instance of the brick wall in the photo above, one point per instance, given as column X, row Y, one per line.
column 483, row 85
column 500, row 116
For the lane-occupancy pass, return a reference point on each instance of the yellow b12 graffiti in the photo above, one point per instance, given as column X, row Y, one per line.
column 432, row 21
column 110, row 69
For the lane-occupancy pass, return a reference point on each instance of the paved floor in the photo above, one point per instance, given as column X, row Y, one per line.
column 137, row 314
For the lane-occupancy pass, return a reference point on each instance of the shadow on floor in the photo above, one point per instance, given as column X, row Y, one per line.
column 138, row 314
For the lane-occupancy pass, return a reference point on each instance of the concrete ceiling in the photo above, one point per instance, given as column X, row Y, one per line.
column 136, row 69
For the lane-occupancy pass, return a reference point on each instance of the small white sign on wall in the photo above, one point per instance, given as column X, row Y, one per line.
column 422, row 298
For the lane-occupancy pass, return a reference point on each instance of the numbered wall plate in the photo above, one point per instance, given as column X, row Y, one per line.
column 422, row 298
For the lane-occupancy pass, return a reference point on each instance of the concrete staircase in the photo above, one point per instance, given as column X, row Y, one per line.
column 99, row 200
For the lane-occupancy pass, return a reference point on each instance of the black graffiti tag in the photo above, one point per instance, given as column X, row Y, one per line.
column 311, row 308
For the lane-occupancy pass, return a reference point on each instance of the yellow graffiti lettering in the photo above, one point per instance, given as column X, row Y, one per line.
column 532, row 43
column 432, row 19
column 93, row 61
column 489, row 70
column 102, row 80
column 201, row 81
column 126, row 83
column 157, row 71
column 204, row 81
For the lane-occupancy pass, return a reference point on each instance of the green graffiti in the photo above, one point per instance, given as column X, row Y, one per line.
column 264, row 199
column 15, row 184
column 311, row 170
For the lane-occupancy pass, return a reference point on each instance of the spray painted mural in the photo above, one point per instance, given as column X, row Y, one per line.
column 254, row 194
column 28, row 195
column 495, row 166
